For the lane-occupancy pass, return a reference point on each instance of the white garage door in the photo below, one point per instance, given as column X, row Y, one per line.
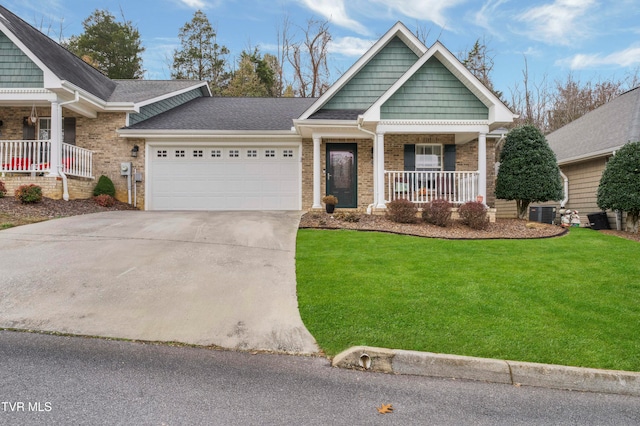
column 223, row 178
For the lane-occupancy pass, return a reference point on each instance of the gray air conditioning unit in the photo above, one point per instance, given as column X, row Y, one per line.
column 542, row 214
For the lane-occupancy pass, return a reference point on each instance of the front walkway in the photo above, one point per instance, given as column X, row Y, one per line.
column 204, row 278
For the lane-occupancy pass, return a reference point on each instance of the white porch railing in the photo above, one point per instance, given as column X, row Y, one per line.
column 29, row 156
column 424, row 187
column 77, row 161
column 25, row 156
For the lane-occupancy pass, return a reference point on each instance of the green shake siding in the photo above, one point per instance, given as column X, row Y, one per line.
column 434, row 93
column 154, row 109
column 16, row 69
column 375, row 77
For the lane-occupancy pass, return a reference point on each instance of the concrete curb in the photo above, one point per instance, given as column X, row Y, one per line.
column 489, row 370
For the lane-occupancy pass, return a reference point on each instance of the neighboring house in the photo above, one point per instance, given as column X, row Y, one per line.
column 584, row 146
column 404, row 121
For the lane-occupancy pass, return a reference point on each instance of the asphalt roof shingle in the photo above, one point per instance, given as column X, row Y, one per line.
column 142, row 90
column 59, row 60
column 215, row 113
column 602, row 130
column 337, row 114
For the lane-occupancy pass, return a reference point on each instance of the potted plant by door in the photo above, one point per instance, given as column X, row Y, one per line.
column 330, row 202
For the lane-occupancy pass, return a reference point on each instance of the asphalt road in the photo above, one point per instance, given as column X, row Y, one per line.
column 68, row 380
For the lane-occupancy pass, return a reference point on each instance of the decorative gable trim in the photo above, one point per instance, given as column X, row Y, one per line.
column 398, row 30
column 499, row 114
column 50, row 79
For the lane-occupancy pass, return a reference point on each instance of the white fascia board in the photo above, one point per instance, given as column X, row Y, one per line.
column 326, row 128
column 97, row 103
column 28, row 96
column 591, row 156
column 172, row 94
column 432, row 126
column 223, row 142
column 400, row 30
column 206, row 134
column 498, row 112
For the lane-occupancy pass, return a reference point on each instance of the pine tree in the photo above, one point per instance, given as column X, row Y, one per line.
column 200, row 57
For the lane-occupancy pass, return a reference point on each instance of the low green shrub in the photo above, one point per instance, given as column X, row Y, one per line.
column 474, row 215
column 104, row 200
column 437, row 212
column 402, row 211
column 3, row 189
column 104, row 186
column 29, row 194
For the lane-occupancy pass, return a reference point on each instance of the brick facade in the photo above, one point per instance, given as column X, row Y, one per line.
column 96, row 134
column 365, row 170
column 466, row 160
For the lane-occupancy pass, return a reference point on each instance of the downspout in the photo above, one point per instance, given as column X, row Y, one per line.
column 563, row 203
column 375, row 137
column 65, row 184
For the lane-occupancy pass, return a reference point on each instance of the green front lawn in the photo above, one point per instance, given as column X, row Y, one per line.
column 573, row 300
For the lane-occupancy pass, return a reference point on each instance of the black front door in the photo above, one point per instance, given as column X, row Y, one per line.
column 342, row 173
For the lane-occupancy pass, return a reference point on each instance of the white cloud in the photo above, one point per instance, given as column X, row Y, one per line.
column 336, row 12
column 489, row 16
column 194, row 4
column 623, row 58
column 350, row 46
column 560, row 22
column 427, row 10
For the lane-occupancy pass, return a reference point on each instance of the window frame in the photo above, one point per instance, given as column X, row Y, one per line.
column 440, row 157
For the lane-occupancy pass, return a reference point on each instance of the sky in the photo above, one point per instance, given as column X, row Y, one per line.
column 594, row 40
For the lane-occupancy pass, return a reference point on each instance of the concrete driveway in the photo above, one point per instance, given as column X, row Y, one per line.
column 204, row 278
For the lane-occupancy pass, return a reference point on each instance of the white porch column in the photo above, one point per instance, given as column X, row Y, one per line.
column 482, row 166
column 317, row 175
column 378, row 155
column 56, row 138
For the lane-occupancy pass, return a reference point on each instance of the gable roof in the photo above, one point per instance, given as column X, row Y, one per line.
column 141, row 91
column 599, row 132
column 499, row 114
column 228, row 114
column 400, row 31
column 62, row 63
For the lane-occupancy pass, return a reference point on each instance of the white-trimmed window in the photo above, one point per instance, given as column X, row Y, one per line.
column 198, row 153
column 252, row 153
column 179, row 153
column 162, row 153
column 429, row 157
column 216, row 153
column 270, row 153
column 234, row 153
column 287, row 153
column 44, row 129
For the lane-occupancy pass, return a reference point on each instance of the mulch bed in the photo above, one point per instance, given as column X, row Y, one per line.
column 502, row 228
column 49, row 208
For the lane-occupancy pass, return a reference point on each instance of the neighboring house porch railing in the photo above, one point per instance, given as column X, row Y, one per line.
column 34, row 156
column 424, row 187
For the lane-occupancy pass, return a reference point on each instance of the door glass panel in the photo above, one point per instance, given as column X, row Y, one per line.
column 342, row 165
column 341, row 174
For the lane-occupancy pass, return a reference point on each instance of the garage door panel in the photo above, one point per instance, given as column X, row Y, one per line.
column 254, row 178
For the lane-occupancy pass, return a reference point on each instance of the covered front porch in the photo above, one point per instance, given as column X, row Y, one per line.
column 419, row 163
